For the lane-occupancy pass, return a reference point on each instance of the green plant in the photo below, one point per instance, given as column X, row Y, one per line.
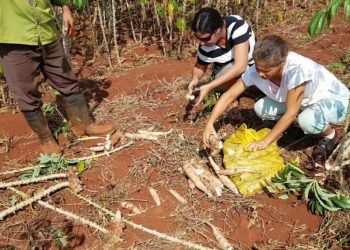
column 325, row 16
column 338, row 67
column 293, row 180
column 64, row 126
column 62, row 239
column 53, row 164
column 211, row 99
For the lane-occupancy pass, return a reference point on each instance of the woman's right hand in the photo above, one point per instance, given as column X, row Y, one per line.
column 192, row 86
column 209, row 131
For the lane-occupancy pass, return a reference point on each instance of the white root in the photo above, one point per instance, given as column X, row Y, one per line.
column 145, row 229
column 135, row 210
column 35, row 198
column 155, row 196
column 141, row 137
column 97, row 148
column 66, row 213
column 195, row 178
column 177, row 196
column 214, row 184
column 235, row 171
column 191, row 184
column 222, row 241
column 32, row 180
column 106, row 153
column 223, row 178
column 155, row 133
column 190, row 97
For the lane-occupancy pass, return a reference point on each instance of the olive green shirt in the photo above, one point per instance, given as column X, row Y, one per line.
column 28, row 22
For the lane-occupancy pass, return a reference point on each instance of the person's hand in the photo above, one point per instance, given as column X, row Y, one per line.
column 209, row 132
column 257, row 145
column 203, row 92
column 68, row 21
column 192, row 86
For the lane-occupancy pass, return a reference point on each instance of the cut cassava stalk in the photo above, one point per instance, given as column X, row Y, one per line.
column 177, row 196
column 106, row 153
column 141, row 136
column 66, row 213
column 14, row 171
column 195, row 178
column 222, row 241
column 155, row 196
column 35, row 198
column 145, row 229
column 234, row 171
column 155, row 133
column 104, row 36
column 223, row 178
column 33, row 180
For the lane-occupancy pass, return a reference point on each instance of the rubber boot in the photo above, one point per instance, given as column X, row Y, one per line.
column 38, row 123
column 78, row 113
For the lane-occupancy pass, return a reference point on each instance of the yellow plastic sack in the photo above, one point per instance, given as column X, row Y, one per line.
column 263, row 164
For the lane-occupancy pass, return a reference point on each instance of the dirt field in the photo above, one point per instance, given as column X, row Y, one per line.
column 152, row 94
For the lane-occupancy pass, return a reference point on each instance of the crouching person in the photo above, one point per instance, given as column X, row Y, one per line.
column 296, row 88
column 29, row 44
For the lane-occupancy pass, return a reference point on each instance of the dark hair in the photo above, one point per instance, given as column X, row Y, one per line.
column 271, row 50
column 207, row 20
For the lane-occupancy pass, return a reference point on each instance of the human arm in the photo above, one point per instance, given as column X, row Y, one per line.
column 293, row 103
column 240, row 65
column 228, row 97
column 68, row 20
column 197, row 73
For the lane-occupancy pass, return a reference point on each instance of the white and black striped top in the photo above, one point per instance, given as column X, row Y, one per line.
column 238, row 31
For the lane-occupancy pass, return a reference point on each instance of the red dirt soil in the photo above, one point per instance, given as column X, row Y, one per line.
column 273, row 220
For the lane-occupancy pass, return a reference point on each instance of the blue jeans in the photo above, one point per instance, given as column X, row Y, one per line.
column 313, row 119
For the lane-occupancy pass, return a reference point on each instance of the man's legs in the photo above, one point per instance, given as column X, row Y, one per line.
column 22, row 69
column 61, row 77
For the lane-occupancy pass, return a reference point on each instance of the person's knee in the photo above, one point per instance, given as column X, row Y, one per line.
column 259, row 108
column 309, row 125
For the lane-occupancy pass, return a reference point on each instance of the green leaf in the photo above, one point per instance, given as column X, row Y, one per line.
column 316, row 23
column 319, row 199
column 319, row 209
column 347, row 8
column 307, row 190
column 181, row 24
column 342, row 202
column 13, row 200
column 334, row 7
column 81, row 167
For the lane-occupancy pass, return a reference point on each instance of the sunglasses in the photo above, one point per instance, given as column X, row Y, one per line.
column 204, row 39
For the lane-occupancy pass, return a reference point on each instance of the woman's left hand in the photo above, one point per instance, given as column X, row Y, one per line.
column 257, row 145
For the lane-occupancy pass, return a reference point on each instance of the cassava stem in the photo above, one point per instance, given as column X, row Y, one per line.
column 106, row 153
column 66, row 213
column 22, row 170
column 145, row 229
column 33, row 180
column 36, row 197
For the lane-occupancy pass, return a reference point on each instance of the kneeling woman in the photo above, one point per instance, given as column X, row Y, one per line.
column 227, row 44
column 296, row 88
